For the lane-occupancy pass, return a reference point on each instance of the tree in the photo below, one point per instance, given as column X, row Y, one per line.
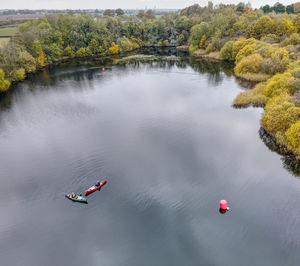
column 149, row 14
column 249, row 64
column 114, row 49
column 69, row 51
column 120, row 12
column 267, row 9
column 261, row 27
column 82, row 52
column 18, row 74
column 109, row 12
column 26, row 62
column 240, row 7
column 197, row 33
column 226, row 51
column 283, row 27
column 4, row 83
column 280, row 114
column 141, row 14
column 94, row 46
column 290, row 9
column 279, row 8
column 293, row 135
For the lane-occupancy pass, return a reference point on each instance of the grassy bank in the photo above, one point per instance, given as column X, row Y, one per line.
column 8, row 31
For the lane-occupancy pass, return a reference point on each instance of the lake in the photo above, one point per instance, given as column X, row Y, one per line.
column 169, row 143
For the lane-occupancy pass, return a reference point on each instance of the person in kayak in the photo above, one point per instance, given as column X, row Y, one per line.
column 97, row 183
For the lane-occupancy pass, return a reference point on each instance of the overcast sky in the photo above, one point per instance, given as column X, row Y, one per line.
column 126, row 4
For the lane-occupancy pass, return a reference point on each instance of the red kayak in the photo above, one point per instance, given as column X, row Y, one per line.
column 94, row 188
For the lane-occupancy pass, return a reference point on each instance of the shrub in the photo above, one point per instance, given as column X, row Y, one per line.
column 226, row 51
column 128, row 44
column 284, row 27
column 237, row 45
column 82, row 52
column 280, row 83
column 240, row 44
column 165, row 43
column 114, row 49
column 272, row 66
column 4, row 83
column 292, row 40
column 197, row 32
column 27, row 62
column 270, row 38
column 293, row 136
column 261, row 27
column 249, row 64
column 247, row 50
column 279, row 114
column 18, row 74
column 69, row 51
column 254, row 97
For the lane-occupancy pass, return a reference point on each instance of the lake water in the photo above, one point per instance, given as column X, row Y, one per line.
column 171, row 146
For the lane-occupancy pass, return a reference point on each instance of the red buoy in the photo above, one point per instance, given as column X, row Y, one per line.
column 223, row 205
column 103, row 69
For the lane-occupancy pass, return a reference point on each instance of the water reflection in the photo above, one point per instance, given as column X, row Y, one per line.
column 171, row 146
column 289, row 161
column 86, row 71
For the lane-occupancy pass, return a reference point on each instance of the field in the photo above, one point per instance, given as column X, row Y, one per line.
column 3, row 41
column 7, row 31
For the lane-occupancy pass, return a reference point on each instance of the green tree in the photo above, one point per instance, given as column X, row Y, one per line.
column 290, row 9
column 109, row 12
column 120, row 12
column 226, row 51
column 279, row 8
column 197, row 33
column 267, row 9
column 240, row 7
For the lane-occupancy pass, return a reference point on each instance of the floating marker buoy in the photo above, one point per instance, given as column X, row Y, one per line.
column 223, row 205
column 103, row 69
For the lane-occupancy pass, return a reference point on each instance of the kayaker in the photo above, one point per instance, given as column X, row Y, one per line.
column 97, row 183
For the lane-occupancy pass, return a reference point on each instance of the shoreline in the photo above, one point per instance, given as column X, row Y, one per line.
column 238, row 105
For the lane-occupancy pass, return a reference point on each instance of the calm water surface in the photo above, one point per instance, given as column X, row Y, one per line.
column 171, row 146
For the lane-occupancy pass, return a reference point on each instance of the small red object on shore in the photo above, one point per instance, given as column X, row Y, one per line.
column 223, row 205
column 103, row 69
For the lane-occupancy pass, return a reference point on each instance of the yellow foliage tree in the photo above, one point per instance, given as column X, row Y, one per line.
column 293, row 136
column 280, row 114
column 284, row 27
column 245, row 51
column 114, row 49
column 278, row 84
column 40, row 60
column 249, row 64
column 202, row 42
column 237, row 46
column 240, row 44
column 81, row 52
column 4, row 83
